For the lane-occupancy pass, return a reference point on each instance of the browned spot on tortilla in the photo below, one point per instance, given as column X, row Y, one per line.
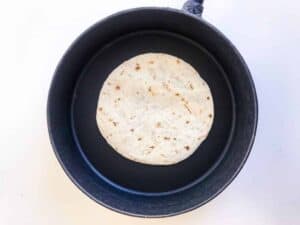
column 151, row 91
column 158, row 124
column 137, row 93
column 177, row 61
column 115, row 123
column 110, row 135
column 188, row 109
column 203, row 83
column 191, row 86
column 118, row 87
column 187, row 147
column 152, row 147
column 131, row 129
column 163, row 155
column 151, row 62
column 100, row 109
column 177, row 94
column 117, row 100
column 173, row 113
column 110, row 120
column 200, row 111
column 139, row 139
column 147, row 152
column 122, row 72
column 108, row 83
column 132, row 117
column 210, row 115
column 174, row 139
column 184, row 100
column 187, row 122
column 166, row 86
column 207, row 97
column 137, row 67
column 166, row 138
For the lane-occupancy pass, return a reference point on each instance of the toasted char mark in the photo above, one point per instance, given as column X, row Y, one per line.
column 132, row 117
column 210, row 115
column 139, row 139
column 188, row 109
column 131, row 129
column 115, row 123
column 150, row 89
column 117, row 87
column 117, row 100
column 108, row 83
column 151, row 62
column 122, row 72
column 152, row 147
column 191, row 87
column 178, row 61
column 187, row 122
column 100, row 109
column 177, row 94
column 187, row 147
column 166, row 86
column 147, row 152
column 207, row 97
column 137, row 67
column 158, row 124
column 167, row 138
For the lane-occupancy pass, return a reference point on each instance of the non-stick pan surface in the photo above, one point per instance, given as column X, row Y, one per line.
column 131, row 187
column 108, row 163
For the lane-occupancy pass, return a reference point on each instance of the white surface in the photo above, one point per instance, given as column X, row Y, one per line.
column 33, row 187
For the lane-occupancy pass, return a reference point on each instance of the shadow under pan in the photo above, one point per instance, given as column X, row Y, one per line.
column 136, row 177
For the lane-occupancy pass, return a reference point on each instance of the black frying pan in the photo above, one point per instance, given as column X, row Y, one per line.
column 126, row 186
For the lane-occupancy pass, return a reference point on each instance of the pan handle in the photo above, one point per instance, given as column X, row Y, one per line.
column 194, row 7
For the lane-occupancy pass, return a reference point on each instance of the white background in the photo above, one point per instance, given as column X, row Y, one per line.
column 33, row 188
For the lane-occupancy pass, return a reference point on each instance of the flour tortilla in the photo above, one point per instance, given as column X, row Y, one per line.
column 155, row 109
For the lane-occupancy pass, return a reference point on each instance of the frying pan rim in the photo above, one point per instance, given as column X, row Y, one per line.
column 248, row 76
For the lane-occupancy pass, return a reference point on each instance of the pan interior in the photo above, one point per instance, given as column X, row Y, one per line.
column 136, row 177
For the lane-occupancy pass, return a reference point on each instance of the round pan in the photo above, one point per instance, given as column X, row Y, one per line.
column 126, row 186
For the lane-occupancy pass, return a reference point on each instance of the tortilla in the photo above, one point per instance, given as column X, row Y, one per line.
column 155, row 109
